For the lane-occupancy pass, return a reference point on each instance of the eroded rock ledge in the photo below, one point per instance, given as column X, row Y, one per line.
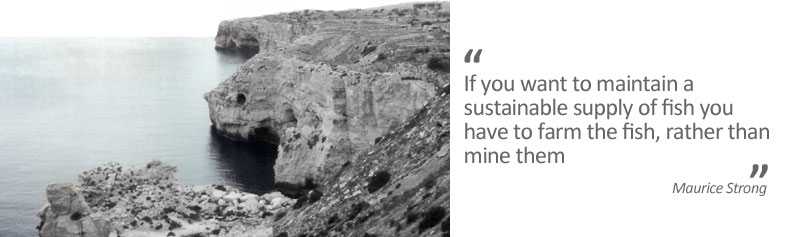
column 112, row 200
column 327, row 84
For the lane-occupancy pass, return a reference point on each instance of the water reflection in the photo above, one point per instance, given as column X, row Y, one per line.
column 246, row 166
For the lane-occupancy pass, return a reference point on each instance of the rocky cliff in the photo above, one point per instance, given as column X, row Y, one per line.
column 399, row 187
column 325, row 85
column 358, row 102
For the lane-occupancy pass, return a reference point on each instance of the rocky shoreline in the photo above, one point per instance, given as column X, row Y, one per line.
column 357, row 102
column 112, row 200
column 399, row 187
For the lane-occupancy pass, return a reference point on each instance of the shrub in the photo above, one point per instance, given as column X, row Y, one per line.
column 381, row 57
column 168, row 210
column 429, row 181
column 333, row 219
column 300, row 202
column 431, row 218
column 439, row 64
column 357, row 209
column 174, row 224
column 309, row 184
column 280, row 216
column 378, row 181
column 411, row 217
column 313, row 141
column 368, row 49
column 314, row 196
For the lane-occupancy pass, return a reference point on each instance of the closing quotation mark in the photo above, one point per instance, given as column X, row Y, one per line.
column 468, row 57
column 764, row 168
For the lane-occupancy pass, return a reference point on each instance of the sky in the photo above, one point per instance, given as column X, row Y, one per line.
column 146, row 18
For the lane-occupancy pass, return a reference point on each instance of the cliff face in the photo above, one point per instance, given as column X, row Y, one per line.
column 325, row 85
column 399, row 187
column 253, row 34
column 358, row 102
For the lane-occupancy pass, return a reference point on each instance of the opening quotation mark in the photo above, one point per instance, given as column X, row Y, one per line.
column 764, row 168
column 468, row 57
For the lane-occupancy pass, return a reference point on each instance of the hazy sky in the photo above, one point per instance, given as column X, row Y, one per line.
column 146, row 17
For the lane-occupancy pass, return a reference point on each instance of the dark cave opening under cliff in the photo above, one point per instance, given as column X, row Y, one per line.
column 249, row 49
column 243, row 51
column 266, row 134
column 248, row 166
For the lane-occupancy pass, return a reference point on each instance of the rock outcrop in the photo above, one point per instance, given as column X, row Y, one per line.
column 124, row 201
column 327, row 84
column 67, row 214
column 266, row 32
column 398, row 187
column 358, row 102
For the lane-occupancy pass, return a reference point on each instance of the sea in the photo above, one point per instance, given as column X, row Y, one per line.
column 71, row 104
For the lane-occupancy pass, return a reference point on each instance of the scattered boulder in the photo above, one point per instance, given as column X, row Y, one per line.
column 68, row 214
column 148, row 201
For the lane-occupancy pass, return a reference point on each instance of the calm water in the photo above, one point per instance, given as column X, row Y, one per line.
column 70, row 104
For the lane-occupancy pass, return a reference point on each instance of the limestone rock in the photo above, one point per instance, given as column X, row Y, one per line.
column 217, row 194
column 326, row 84
column 65, row 200
column 249, row 36
column 398, row 187
column 232, row 196
column 148, row 201
column 347, row 95
column 68, row 214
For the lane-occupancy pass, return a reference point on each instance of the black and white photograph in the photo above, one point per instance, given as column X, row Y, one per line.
column 240, row 118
